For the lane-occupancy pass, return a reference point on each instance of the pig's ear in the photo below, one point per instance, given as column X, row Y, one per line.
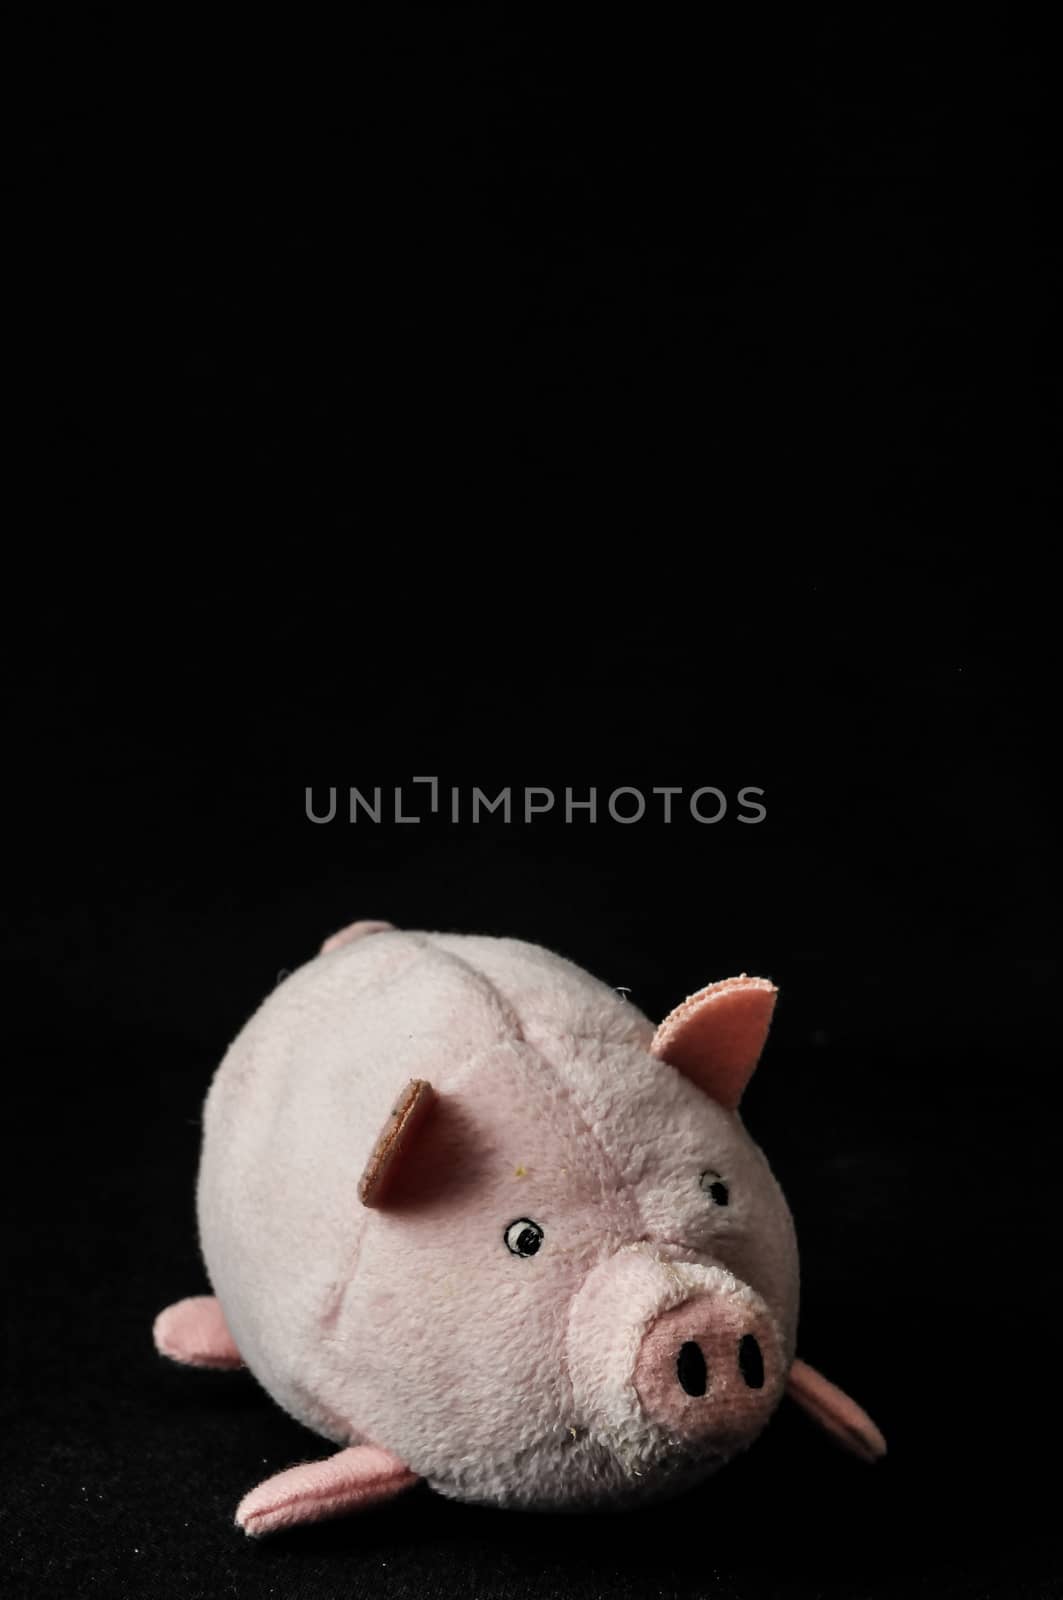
column 838, row 1415
column 716, row 1036
column 396, row 1139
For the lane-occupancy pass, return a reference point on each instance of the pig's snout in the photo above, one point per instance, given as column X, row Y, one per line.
column 671, row 1358
column 708, row 1368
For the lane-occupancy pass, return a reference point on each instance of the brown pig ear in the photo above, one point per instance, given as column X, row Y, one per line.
column 396, row 1138
column 716, row 1036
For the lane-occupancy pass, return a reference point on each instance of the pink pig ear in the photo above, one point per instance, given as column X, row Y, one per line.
column 396, row 1137
column 716, row 1036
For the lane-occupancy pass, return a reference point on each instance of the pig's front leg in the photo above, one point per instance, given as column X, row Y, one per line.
column 358, row 1477
column 835, row 1412
column 195, row 1333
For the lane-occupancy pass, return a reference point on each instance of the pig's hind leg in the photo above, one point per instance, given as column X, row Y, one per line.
column 356, row 930
column 194, row 1332
column 348, row 1481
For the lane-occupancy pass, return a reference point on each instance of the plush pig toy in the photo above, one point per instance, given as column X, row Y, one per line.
column 471, row 1217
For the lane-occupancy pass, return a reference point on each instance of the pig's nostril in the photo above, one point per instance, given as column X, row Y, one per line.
column 751, row 1362
column 691, row 1369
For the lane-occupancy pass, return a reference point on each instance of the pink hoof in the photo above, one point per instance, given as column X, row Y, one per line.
column 357, row 930
column 195, row 1332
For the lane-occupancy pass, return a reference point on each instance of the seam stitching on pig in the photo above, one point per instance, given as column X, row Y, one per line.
column 333, row 1308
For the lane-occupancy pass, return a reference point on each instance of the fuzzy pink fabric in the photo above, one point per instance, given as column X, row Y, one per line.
column 319, row 1489
column 729, row 1412
column 356, row 930
column 835, row 1412
column 195, row 1332
column 716, row 1036
column 497, row 1313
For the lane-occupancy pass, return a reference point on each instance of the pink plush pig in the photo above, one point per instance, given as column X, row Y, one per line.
column 471, row 1217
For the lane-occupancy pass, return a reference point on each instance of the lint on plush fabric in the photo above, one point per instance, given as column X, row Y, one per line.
column 467, row 1214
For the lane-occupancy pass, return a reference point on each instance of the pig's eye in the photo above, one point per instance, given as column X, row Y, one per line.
column 715, row 1187
column 523, row 1237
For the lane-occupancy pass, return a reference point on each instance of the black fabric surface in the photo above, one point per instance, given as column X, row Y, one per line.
column 526, row 403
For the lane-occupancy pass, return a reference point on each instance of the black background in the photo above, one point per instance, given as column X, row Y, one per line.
column 526, row 403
